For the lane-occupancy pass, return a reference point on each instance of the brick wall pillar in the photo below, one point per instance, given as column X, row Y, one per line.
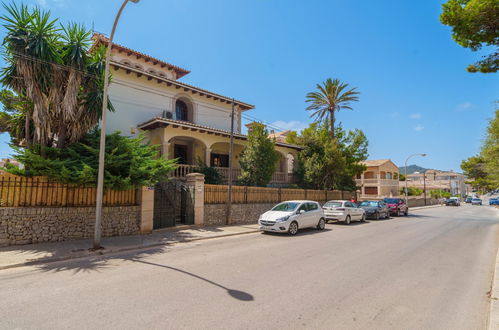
column 146, row 199
column 195, row 181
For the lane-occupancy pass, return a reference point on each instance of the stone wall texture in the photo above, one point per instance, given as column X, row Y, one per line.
column 214, row 214
column 34, row 225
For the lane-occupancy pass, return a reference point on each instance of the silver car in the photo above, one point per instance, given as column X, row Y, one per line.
column 345, row 211
column 291, row 215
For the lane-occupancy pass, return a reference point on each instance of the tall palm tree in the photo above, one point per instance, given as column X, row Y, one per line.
column 52, row 68
column 331, row 96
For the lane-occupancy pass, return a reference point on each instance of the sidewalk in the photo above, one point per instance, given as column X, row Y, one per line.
column 494, row 298
column 23, row 255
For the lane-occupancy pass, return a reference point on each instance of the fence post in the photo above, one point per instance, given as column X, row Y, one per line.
column 145, row 198
column 245, row 194
column 195, row 181
column 279, row 193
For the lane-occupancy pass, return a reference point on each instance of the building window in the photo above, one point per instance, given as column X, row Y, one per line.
column 219, row 160
column 181, row 111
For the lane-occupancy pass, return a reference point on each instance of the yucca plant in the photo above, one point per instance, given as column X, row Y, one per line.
column 331, row 96
column 50, row 65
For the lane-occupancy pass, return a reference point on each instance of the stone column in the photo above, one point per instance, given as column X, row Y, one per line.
column 208, row 156
column 195, row 181
column 146, row 198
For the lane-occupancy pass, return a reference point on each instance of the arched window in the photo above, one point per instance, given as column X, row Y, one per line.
column 181, row 111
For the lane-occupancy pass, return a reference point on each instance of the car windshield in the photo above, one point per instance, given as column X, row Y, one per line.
column 454, row 198
column 332, row 204
column 391, row 200
column 286, row 207
column 367, row 203
column 477, row 199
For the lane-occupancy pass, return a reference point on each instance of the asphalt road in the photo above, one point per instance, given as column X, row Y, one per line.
column 431, row 270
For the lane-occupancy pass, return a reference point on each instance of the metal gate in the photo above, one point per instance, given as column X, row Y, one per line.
column 173, row 204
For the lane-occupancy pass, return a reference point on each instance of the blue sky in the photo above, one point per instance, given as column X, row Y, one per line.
column 416, row 95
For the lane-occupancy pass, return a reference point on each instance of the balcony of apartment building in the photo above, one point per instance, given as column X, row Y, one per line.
column 378, row 184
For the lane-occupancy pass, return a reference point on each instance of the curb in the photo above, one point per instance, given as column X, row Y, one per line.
column 425, row 207
column 493, row 319
column 103, row 252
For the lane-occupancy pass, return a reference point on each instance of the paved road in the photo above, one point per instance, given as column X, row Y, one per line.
column 431, row 270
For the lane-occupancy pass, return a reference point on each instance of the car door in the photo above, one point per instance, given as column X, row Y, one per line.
column 350, row 210
column 313, row 214
column 302, row 218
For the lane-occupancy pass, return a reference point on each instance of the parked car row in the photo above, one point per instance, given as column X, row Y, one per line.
column 290, row 216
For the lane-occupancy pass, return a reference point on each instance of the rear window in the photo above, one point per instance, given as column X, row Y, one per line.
column 369, row 204
column 391, row 200
column 333, row 204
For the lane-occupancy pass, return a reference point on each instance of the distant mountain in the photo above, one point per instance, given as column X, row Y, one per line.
column 413, row 168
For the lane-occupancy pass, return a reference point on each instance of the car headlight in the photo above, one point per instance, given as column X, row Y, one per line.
column 283, row 219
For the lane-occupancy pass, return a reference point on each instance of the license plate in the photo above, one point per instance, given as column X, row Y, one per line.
column 266, row 227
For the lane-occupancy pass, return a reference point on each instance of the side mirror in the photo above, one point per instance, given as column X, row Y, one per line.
column 300, row 212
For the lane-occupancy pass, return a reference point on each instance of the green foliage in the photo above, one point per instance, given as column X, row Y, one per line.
column 259, row 158
column 483, row 169
column 211, row 174
column 331, row 96
column 411, row 191
column 56, row 80
column 327, row 163
column 475, row 23
column 128, row 163
column 401, row 177
column 439, row 193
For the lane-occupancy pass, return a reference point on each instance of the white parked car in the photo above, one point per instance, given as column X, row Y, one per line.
column 291, row 215
column 343, row 211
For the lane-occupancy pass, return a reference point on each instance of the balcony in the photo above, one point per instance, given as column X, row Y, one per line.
column 376, row 182
column 277, row 178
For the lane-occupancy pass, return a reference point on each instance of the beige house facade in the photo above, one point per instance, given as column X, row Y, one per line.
column 453, row 182
column 380, row 179
column 188, row 123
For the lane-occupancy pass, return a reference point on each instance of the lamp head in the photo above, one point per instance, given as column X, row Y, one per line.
column 134, row 1
column 424, row 155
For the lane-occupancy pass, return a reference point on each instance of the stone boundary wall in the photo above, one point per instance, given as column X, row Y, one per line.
column 214, row 214
column 20, row 225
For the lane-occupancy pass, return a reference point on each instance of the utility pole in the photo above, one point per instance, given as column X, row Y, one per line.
column 231, row 149
column 424, row 186
column 102, row 143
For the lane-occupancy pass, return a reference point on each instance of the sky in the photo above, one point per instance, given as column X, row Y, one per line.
column 416, row 96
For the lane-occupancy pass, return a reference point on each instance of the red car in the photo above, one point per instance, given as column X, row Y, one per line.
column 397, row 206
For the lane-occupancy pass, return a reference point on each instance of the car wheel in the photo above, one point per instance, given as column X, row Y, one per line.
column 322, row 224
column 406, row 213
column 363, row 219
column 376, row 215
column 348, row 220
column 397, row 214
column 293, row 228
column 387, row 216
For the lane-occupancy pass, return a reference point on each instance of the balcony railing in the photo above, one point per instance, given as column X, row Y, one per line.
column 381, row 182
column 277, row 178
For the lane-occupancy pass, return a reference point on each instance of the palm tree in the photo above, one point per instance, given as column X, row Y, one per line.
column 331, row 96
column 52, row 68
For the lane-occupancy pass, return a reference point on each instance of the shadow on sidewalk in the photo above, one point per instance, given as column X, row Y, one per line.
column 99, row 263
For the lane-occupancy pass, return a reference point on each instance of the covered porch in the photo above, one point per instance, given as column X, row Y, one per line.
column 193, row 145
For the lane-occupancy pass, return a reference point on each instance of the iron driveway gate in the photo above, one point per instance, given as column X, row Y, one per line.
column 173, row 204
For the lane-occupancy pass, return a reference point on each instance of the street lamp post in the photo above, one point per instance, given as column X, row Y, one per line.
column 102, row 145
column 405, row 173
column 424, row 186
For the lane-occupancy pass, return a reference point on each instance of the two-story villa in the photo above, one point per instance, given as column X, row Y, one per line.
column 187, row 122
column 380, row 179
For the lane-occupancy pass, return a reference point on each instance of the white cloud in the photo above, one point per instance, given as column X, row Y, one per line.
column 415, row 116
column 51, row 3
column 419, row 128
column 466, row 106
column 293, row 125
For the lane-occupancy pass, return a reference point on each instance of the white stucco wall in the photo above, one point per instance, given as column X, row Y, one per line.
column 137, row 99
